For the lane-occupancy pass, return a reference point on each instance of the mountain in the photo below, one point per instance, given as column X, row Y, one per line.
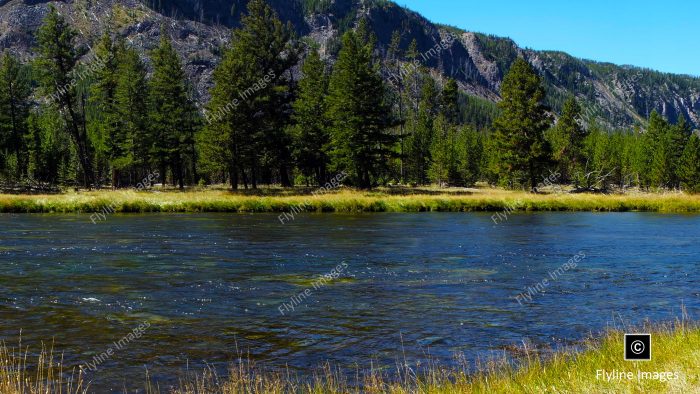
column 618, row 96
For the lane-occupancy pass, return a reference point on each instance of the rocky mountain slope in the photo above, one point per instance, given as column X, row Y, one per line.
column 619, row 96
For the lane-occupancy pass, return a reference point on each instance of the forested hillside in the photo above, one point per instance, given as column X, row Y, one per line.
column 110, row 93
column 618, row 96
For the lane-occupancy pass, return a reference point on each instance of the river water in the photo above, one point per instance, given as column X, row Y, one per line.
column 199, row 289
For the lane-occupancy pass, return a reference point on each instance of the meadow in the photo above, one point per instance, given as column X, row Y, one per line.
column 594, row 366
column 343, row 200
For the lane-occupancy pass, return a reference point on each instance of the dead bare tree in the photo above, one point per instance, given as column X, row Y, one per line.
column 595, row 180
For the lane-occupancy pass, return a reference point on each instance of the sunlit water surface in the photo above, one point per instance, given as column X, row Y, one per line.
column 209, row 286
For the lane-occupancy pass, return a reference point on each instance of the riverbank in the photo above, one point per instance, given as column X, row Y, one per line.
column 597, row 368
column 344, row 200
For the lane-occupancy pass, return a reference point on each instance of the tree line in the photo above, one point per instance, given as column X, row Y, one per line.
column 527, row 143
column 112, row 122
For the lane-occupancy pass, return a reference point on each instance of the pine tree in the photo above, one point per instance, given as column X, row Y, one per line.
column 311, row 134
column 616, row 149
column 689, row 165
column 359, row 111
column 111, row 138
column 420, row 142
column 131, row 104
column 251, row 98
column 679, row 135
column 278, row 53
column 567, row 142
column 629, row 176
column 15, row 91
column 226, row 138
column 442, row 165
column 659, row 158
column 412, row 77
column 394, row 53
column 449, row 101
column 449, row 108
column 50, row 153
column 665, row 145
column 637, row 154
column 172, row 115
column 523, row 151
column 597, row 146
column 470, row 156
column 56, row 65
column 396, row 79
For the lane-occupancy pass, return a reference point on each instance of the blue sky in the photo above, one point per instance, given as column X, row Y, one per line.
column 661, row 35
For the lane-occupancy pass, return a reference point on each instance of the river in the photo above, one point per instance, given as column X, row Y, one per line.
column 199, row 289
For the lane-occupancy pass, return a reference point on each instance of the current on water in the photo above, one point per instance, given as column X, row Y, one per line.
column 168, row 291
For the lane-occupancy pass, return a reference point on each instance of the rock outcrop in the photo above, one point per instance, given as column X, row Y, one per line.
column 621, row 96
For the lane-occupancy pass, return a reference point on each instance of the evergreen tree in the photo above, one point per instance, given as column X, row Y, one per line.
column 226, row 139
column 492, row 165
column 15, row 91
column 636, row 156
column 629, row 173
column 523, row 151
column 449, row 108
column 442, row 166
column 599, row 164
column 416, row 127
column 251, row 99
column 449, row 101
column 413, row 77
column 568, row 139
column 172, row 115
column 56, row 64
column 611, row 158
column 420, row 141
column 131, row 104
column 616, row 161
column 658, row 171
column 678, row 138
column 50, row 153
column 470, row 156
column 396, row 79
column 311, row 134
column 689, row 165
column 359, row 111
column 105, row 120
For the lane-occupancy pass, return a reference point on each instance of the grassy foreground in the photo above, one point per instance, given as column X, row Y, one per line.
column 344, row 200
column 675, row 354
column 45, row 376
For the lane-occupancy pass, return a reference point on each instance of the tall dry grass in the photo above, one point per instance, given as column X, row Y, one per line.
column 675, row 349
column 23, row 373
